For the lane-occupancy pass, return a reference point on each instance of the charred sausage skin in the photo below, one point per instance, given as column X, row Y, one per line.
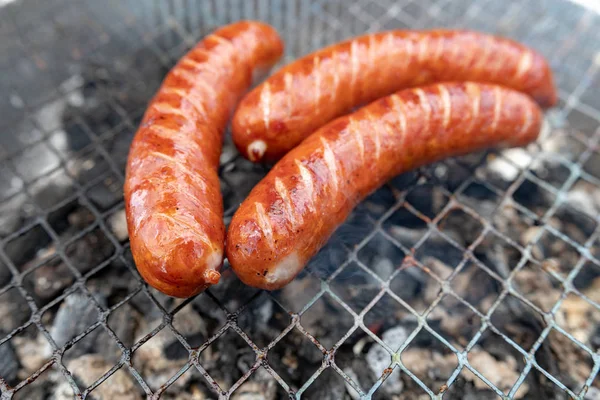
column 294, row 210
column 172, row 192
column 306, row 94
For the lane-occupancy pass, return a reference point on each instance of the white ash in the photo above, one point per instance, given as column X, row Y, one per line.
column 88, row 368
column 260, row 386
column 502, row 373
column 32, row 353
column 8, row 363
column 75, row 315
column 379, row 359
column 117, row 223
column 163, row 355
column 328, row 386
column 428, row 365
column 510, row 163
column 349, row 389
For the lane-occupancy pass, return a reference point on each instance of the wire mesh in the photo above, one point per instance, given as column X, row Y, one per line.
column 78, row 75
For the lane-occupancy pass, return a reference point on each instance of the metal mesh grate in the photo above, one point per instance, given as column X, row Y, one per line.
column 476, row 277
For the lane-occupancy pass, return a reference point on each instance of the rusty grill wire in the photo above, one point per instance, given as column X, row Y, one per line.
column 559, row 29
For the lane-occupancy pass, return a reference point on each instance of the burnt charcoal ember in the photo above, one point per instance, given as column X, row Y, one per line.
column 123, row 321
column 50, row 279
column 90, row 250
column 106, row 193
column 263, row 320
column 427, row 199
column 227, row 359
column 5, row 274
column 592, row 394
column 378, row 359
column 26, row 247
column 32, row 352
column 114, row 282
column 160, row 358
column 381, row 256
column 70, row 219
column 14, row 311
column 581, row 193
column 362, row 377
column 328, row 386
column 189, row 322
column 502, row 373
column 465, row 389
column 295, row 358
column 9, row 365
column 52, row 189
column 243, row 176
column 15, row 212
column 75, row 315
column 88, row 368
column 331, row 256
column 145, row 306
column 117, row 146
column 260, row 386
column 163, row 355
column 515, row 318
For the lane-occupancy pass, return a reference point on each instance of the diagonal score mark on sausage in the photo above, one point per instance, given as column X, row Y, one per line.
column 264, row 223
column 330, row 162
column 446, row 105
column 406, row 145
column 308, row 184
column 358, row 138
column 287, row 201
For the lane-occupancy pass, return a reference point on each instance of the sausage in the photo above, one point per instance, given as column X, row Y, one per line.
column 301, row 97
column 294, row 210
column 172, row 193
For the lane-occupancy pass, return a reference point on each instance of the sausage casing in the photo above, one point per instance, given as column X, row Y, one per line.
column 293, row 211
column 172, row 193
column 301, row 97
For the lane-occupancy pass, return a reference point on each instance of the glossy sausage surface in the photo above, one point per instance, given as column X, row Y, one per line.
column 303, row 96
column 172, row 192
column 294, row 210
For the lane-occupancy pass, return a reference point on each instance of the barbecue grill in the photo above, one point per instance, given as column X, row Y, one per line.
column 474, row 278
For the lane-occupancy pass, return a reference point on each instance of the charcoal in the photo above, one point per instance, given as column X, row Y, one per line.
column 123, row 321
column 14, row 311
column 379, row 359
column 328, row 386
column 592, row 394
column 88, row 368
column 9, row 365
column 27, row 246
column 13, row 213
column 32, row 352
column 75, row 315
column 160, row 358
column 260, row 386
column 349, row 389
column 90, row 250
column 51, row 279
column 5, row 274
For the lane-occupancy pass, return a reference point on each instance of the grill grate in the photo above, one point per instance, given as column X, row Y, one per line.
column 79, row 74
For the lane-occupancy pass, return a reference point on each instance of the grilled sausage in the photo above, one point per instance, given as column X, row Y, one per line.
column 294, row 210
column 303, row 96
column 172, row 192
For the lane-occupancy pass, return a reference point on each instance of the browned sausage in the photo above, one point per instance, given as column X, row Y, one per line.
column 172, row 193
column 294, row 210
column 303, row 96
